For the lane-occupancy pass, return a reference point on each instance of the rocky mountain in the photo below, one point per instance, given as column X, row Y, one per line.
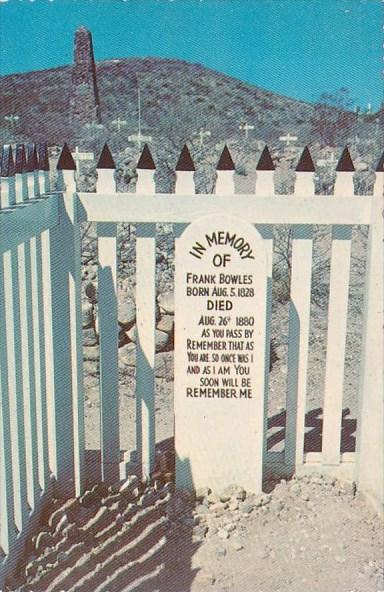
column 178, row 99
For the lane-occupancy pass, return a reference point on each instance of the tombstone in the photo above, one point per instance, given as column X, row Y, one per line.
column 220, row 354
column 84, row 99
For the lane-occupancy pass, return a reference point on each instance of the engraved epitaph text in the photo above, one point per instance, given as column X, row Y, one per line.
column 220, row 361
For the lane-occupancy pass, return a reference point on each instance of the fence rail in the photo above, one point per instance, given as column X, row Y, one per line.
column 41, row 390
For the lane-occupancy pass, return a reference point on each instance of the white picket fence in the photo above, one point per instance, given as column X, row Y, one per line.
column 42, row 446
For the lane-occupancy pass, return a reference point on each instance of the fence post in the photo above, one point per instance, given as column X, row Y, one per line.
column 145, row 322
column 185, row 183
column 43, row 175
column 265, row 170
column 21, row 185
column 108, row 328
column 37, row 420
column 13, row 335
column 337, row 319
column 27, row 310
column 225, row 171
column 299, row 319
column 370, row 431
column 185, row 170
column 63, row 325
column 32, row 170
column 41, row 290
column 8, row 531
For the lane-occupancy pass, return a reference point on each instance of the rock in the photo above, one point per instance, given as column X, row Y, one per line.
column 90, row 498
column 62, row 557
column 262, row 500
column 87, row 316
column 213, row 498
column 223, row 534
column 91, row 354
column 129, row 484
column 247, row 507
column 91, row 292
column 233, row 491
column 158, row 480
column 166, row 324
column 122, row 338
column 349, row 488
column 129, row 511
column 236, row 544
column 98, row 522
column 169, row 477
column 101, row 488
column 233, row 505
column 220, row 551
column 262, row 553
column 230, row 527
column 212, row 529
column 132, row 334
column 175, row 508
column 63, row 523
column 43, row 541
column 112, row 499
column 224, row 497
column 89, row 337
column 202, row 492
column 276, row 506
column 127, row 354
column 148, row 498
column 161, row 340
column 202, row 509
column 70, row 532
column 167, row 303
column 127, row 314
column 164, row 366
column 206, row 578
column 200, row 530
column 217, row 509
column 240, row 494
column 167, row 489
column 69, row 509
column 31, row 568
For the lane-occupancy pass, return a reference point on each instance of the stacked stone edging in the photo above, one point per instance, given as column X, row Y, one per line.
column 164, row 336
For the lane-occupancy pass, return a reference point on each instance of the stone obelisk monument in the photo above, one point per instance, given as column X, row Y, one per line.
column 84, row 100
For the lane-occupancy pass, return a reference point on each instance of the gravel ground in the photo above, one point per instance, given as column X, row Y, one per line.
column 311, row 533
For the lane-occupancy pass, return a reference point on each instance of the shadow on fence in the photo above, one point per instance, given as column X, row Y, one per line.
column 314, row 426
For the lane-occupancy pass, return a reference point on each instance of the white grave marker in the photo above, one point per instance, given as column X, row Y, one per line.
column 220, row 354
column 80, row 156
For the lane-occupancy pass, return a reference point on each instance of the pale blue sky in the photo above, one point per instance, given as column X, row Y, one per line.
column 298, row 48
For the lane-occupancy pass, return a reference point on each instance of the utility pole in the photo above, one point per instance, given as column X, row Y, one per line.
column 139, row 138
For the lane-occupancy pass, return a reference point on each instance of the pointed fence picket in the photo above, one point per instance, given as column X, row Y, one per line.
column 42, row 442
column 108, row 330
column 265, row 186
column 12, row 334
column 337, row 321
column 299, row 319
column 145, row 323
column 27, row 298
